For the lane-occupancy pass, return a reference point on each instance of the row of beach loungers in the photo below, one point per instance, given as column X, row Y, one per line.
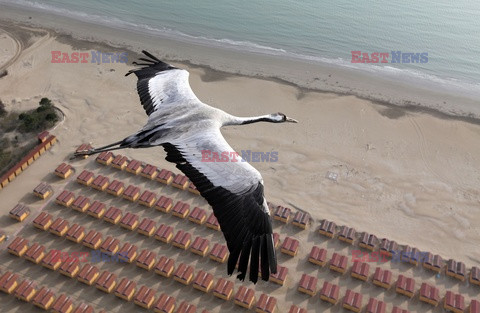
column 144, row 296
column 405, row 254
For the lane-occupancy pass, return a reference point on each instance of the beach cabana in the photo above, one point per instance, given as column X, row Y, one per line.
column 376, row 306
column 245, row 297
column 266, row 304
column 360, row 270
column 367, row 241
column 197, row 216
column 146, row 227
column 83, row 147
column 193, row 189
column 184, row 274
column 106, row 281
column 35, row 253
column 281, row 276
column 339, row 263
column 296, row 309
column 165, row 266
column 223, row 289
column 92, row 240
column 212, row 222
column 219, row 253
column 126, row 289
column 200, row 246
column 164, row 233
column 347, row 234
column 43, row 136
column 164, row 204
column 44, row 298
column 59, row 227
column 43, row 221
column 8, row 282
column 134, row 167
column 388, row 247
column 301, row 219
column 352, row 301
column 474, row 306
column 116, row 188
column 382, row 278
column 129, row 221
column 70, row 269
column 181, row 209
column 330, row 293
column 64, row 170
column 131, row 193
column 26, row 290
column 65, row 198
column 88, row 274
column 182, row 240
column 456, row 269
column 165, row 177
column 186, row 307
column 164, row 304
column 18, row 246
column 147, row 198
column 203, row 281
column 308, row 285
column 405, row 286
column 83, row 308
column 282, row 214
column 76, row 233
column 128, row 252
column 475, row 276
column 52, row 260
column 64, row 304
column 433, row 262
column 110, row 245
column 97, row 209
column 276, row 240
column 105, row 158
column 20, row 212
column 81, row 204
column 145, row 297
column 149, row 171
column 318, row 256
column 113, row 215
column 43, row 191
column 100, row 183
column 454, row 302
column 180, row 181
column 146, row 259
column 429, row 294
column 290, row 246
column 120, row 162
column 85, row 178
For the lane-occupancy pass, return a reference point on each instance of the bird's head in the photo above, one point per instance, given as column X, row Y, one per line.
column 281, row 118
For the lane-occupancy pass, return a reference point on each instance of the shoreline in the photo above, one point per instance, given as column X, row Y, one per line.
column 223, row 62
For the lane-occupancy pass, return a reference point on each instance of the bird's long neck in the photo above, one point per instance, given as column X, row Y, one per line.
column 235, row 120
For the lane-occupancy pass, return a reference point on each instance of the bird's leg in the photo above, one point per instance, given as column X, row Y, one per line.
column 99, row 150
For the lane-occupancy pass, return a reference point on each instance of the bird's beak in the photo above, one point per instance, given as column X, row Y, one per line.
column 291, row 120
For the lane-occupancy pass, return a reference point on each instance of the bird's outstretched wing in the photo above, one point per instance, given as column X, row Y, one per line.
column 235, row 192
column 233, row 189
column 161, row 85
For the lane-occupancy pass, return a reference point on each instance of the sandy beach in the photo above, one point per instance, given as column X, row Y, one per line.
column 407, row 174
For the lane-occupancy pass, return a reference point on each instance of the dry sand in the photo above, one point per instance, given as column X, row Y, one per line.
column 408, row 176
